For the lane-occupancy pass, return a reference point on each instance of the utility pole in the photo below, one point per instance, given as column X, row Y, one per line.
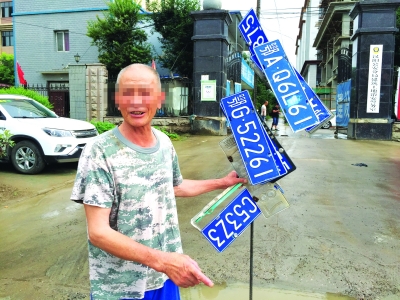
column 255, row 77
column 252, row 223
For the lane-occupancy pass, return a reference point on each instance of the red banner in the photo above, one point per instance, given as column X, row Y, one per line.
column 21, row 75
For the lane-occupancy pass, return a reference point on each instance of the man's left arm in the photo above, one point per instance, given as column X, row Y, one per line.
column 191, row 188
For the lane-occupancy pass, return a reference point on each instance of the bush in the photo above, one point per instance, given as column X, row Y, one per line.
column 105, row 126
column 7, row 68
column 28, row 93
column 102, row 126
column 172, row 135
column 5, row 141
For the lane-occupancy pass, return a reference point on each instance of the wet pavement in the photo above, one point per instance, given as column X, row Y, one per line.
column 340, row 237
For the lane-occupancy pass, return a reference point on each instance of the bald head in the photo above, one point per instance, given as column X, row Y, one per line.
column 138, row 85
column 138, row 69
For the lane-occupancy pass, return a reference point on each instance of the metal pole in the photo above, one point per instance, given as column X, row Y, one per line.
column 252, row 223
column 251, row 259
column 255, row 76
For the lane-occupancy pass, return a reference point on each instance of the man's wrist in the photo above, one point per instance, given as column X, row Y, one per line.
column 156, row 260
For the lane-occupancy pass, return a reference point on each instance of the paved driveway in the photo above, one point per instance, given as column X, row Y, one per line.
column 340, row 235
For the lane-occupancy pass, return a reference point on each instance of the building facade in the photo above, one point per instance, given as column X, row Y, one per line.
column 307, row 62
column 49, row 33
column 324, row 47
column 6, row 27
column 49, row 37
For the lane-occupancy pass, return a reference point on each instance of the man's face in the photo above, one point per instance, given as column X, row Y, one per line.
column 138, row 97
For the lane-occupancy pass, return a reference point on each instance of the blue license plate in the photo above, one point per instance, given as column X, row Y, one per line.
column 252, row 33
column 286, row 86
column 231, row 221
column 251, row 142
column 321, row 111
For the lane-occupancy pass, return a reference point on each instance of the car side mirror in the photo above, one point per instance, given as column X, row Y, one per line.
column 2, row 117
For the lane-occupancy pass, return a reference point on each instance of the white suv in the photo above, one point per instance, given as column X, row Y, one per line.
column 41, row 137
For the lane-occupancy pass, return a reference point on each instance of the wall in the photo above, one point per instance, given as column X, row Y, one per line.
column 34, row 28
column 77, row 92
column 45, row 5
column 88, row 91
column 96, row 92
column 309, row 30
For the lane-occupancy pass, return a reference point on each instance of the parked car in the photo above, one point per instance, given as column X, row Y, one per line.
column 41, row 137
column 331, row 122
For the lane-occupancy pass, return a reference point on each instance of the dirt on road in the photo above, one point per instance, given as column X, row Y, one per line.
column 340, row 235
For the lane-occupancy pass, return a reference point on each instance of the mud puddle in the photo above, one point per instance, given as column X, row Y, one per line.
column 241, row 292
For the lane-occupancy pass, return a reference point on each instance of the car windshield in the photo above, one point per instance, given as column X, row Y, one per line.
column 26, row 109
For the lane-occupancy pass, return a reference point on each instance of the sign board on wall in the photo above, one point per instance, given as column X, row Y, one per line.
column 208, row 90
column 374, row 78
column 247, row 74
column 343, row 91
column 228, row 88
column 397, row 102
column 238, row 87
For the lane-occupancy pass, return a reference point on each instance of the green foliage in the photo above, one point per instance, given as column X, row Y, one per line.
column 28, row 93
column 102, row 126
column 7, row 68
column 118, row 36
column 264, row 94
column 173, row 22
column 5, row 141
column 172, row 135
column 246, row 58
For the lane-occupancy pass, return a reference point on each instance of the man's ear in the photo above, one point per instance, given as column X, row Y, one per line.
column 161, row 99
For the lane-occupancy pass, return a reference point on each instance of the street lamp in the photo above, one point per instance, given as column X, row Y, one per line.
column 77, row 57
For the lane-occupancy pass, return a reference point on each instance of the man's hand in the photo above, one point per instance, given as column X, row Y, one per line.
column 232, row 179
column 183, row 271
column 190, row 188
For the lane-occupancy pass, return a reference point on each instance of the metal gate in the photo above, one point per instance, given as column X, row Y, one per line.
column 59, row 97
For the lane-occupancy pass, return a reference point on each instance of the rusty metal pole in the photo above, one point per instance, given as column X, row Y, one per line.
column 255, row 77
column 252, row 223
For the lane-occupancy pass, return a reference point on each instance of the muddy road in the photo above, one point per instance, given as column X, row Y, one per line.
column 341, row 234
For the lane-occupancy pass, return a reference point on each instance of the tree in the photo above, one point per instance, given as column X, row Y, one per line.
column 264, row 94
column 7, row 68
column 173, row 22
column 118, row 37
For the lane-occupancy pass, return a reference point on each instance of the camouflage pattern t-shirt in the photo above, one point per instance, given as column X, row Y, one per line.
column 137, row 184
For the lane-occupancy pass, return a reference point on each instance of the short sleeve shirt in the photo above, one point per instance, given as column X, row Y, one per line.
column 138, row 185
column 263, row 110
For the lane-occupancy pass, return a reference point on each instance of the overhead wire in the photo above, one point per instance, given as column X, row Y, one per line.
column 276, row 11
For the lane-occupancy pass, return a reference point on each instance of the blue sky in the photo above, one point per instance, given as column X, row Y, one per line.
column 279, row 19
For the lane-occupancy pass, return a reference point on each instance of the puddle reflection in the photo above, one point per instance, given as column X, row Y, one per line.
column 241, row 291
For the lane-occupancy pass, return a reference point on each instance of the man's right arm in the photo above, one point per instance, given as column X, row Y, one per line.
column 180, row 268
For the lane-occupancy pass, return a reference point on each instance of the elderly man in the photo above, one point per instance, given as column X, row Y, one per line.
column 127, row 180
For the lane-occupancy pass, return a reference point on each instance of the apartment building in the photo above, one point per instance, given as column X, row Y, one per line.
column 324, row 47
column 6, row 27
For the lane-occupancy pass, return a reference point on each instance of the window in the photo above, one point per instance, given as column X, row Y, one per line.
column 62, row 41
column 6, row 9
column 7, row 38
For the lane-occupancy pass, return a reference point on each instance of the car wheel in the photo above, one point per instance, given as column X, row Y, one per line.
column 327, row 125
column 27, row 158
